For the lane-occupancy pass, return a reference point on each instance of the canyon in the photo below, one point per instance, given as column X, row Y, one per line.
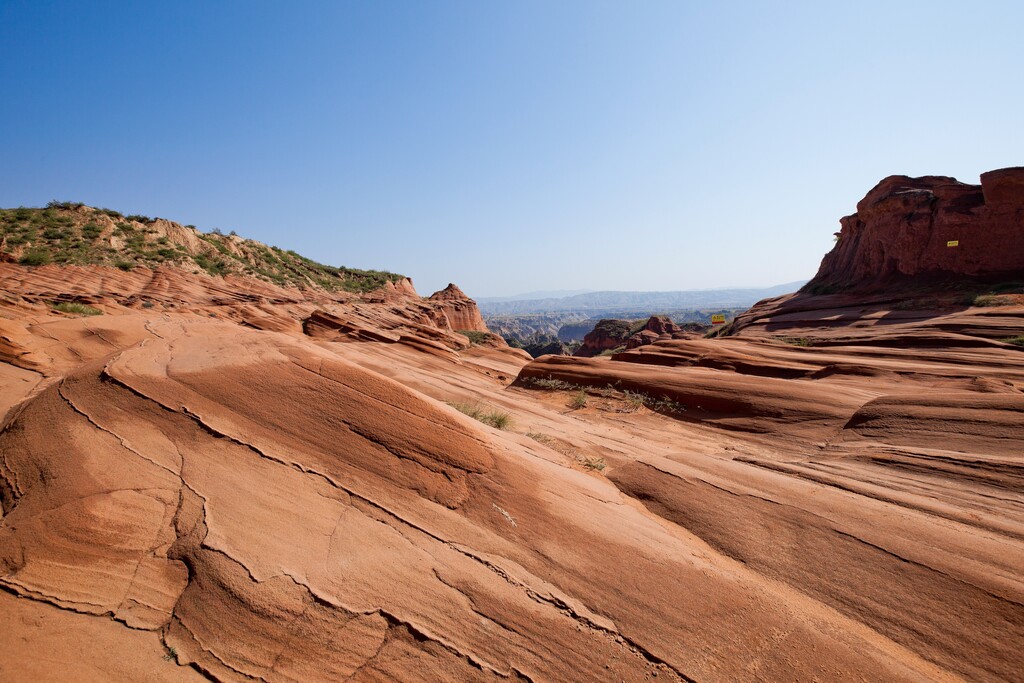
column 265, row 469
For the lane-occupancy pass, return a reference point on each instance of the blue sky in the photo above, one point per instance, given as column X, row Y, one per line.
column 509, row 146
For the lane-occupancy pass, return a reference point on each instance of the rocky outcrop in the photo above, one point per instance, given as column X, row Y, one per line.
column 545, row 345
column 614, row 334
column 929, row 229
column 660, row 327
column 461, row 311
column 607, row 334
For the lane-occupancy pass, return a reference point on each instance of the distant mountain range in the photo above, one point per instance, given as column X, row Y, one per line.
column 611, row 303
column 530, row 296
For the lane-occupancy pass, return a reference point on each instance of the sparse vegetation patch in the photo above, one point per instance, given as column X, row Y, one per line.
column 795, row 341
column 592, row 463
column 498, row 419
column 36, row 257
column 579, row 400
column 548, row 383
column 75, row 308
column 65, row 233
column 475, row 337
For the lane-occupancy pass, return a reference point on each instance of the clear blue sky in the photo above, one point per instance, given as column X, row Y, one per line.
column 509, row 146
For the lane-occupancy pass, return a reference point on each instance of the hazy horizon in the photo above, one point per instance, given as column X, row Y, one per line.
column 563, row 294
column 509, row 147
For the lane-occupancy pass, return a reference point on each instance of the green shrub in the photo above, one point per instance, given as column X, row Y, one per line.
column 36, row 257
column 1016, row 341
column 211, row 266
column 124, row 265
column 75, row 308
column 475, row 337
column 91, row 231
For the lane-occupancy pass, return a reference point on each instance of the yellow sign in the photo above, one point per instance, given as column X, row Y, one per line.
column 718, row 319
column 953, row 243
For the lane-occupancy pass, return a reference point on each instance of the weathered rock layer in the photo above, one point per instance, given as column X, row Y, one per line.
column 236, row 481
column 931, row 228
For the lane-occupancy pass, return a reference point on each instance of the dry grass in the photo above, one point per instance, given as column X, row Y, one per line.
column 592, row 463
column 498, row 419
column 548, row 383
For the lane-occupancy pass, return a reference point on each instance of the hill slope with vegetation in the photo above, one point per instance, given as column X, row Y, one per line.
column 75, row 234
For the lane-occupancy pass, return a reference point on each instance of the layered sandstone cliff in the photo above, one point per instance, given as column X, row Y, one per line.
column 929, row 229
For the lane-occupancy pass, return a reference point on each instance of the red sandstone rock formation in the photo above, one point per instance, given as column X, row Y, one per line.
column 660, row 327
column 213, row 479
column 611, row 334
column 903, row 227
column 461, row 311
column 607, row 334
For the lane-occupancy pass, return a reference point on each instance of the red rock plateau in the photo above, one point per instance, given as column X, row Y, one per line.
column 227, row 479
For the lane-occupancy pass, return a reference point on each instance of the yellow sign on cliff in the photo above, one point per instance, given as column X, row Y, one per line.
column 953, row 243
column 718, row 319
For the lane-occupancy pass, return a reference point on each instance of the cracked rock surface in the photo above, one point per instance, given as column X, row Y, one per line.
column 280, row 493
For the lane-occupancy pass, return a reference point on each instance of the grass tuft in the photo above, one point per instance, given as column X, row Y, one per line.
column 579, row 400
column 489, row 416
column 75, row 308
column 795, row 341
column 548, row 383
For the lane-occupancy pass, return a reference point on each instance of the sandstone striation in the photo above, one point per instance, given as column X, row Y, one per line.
column 461, row 311
column 226, row 478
